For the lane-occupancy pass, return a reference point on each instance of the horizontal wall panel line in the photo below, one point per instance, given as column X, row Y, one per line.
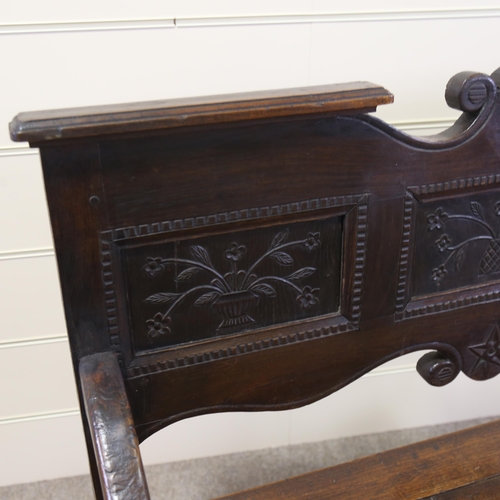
column 188, row 22
column 402, row 125
column 393, row 370
column 40, row 416
column 17, row 151
column 14, row 344
column 27, row 254
column 76, row 27
column 423, row 124
column 334, row 17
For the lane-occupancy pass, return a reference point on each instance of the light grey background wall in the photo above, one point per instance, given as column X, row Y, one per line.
column 68, row 53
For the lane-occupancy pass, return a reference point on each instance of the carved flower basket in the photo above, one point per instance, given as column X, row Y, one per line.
column 234, row 307
column 490, row 263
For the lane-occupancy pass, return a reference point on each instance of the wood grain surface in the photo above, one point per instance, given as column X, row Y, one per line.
column 146, row 116
column 424, row 470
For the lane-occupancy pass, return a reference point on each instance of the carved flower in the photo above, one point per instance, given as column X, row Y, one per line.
column 443, row 243
column 308, row 297
column 153, row 266
column 497, row 208
column 438, row 273
column 436, row 220
column 312, row 241
column 158, row 325
column 235, row 253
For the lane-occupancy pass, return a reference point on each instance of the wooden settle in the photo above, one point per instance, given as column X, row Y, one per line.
column 260, row 251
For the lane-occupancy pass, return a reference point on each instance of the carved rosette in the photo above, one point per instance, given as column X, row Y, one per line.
column 486, row 355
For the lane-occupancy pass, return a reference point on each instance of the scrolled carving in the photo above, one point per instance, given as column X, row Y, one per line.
column 437, row 369
column 495, row 76
column 470, row 92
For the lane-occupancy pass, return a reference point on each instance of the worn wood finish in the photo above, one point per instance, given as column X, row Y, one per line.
column 486, row 489
column 113, row 433
column 209, row 110
column 263, row 252
column 414, row 472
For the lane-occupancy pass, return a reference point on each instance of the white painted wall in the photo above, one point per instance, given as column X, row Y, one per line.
column 59, row 54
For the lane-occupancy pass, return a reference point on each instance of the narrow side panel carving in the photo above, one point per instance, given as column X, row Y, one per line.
column 453, row 243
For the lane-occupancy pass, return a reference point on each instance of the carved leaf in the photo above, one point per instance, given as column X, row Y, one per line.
column 187, row 273
column 217, row 283
column 251, row 279
column 264, row 289
column 207, row 298
column 162, row 298
column 301, row 273
column 229, row 277
column 282, row 258
column 240, row 277
column 477, row 209
column 201, row 255
column 279, row 239
column 459, row 260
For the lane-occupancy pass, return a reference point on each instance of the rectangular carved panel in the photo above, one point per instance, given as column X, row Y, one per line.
column 181, row 290
column 458, row 243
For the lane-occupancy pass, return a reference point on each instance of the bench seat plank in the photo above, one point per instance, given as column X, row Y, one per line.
column 414, row 472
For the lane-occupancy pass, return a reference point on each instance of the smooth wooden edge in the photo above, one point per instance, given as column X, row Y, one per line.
column 413, row 472
column 486, row 489
column 40, row 126
column 114, row 439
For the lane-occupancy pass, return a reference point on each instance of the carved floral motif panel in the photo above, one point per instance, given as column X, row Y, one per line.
column 198, row 288
column 458, row 243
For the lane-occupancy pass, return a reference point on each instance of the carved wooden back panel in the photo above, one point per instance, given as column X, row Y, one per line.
column 263, row 252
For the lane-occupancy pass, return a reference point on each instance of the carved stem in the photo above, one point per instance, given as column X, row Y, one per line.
column 276, row 278
column 235, row 272
column 474, row 219
column 185, row 294
column 267, row 254
column 201, row 266
column 464, row 243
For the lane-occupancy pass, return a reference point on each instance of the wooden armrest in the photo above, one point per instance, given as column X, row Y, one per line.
column 358, row 97
column 461, row 465
column 116, row 446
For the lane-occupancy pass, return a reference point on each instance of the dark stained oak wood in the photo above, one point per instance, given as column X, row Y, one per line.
column 122, row 118
column 112, row 426
column 486, row 489
column 414, row 472
column 261, row 251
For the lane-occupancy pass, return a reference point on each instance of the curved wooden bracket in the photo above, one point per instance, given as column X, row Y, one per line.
column 473, row 93
column 116, row 447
